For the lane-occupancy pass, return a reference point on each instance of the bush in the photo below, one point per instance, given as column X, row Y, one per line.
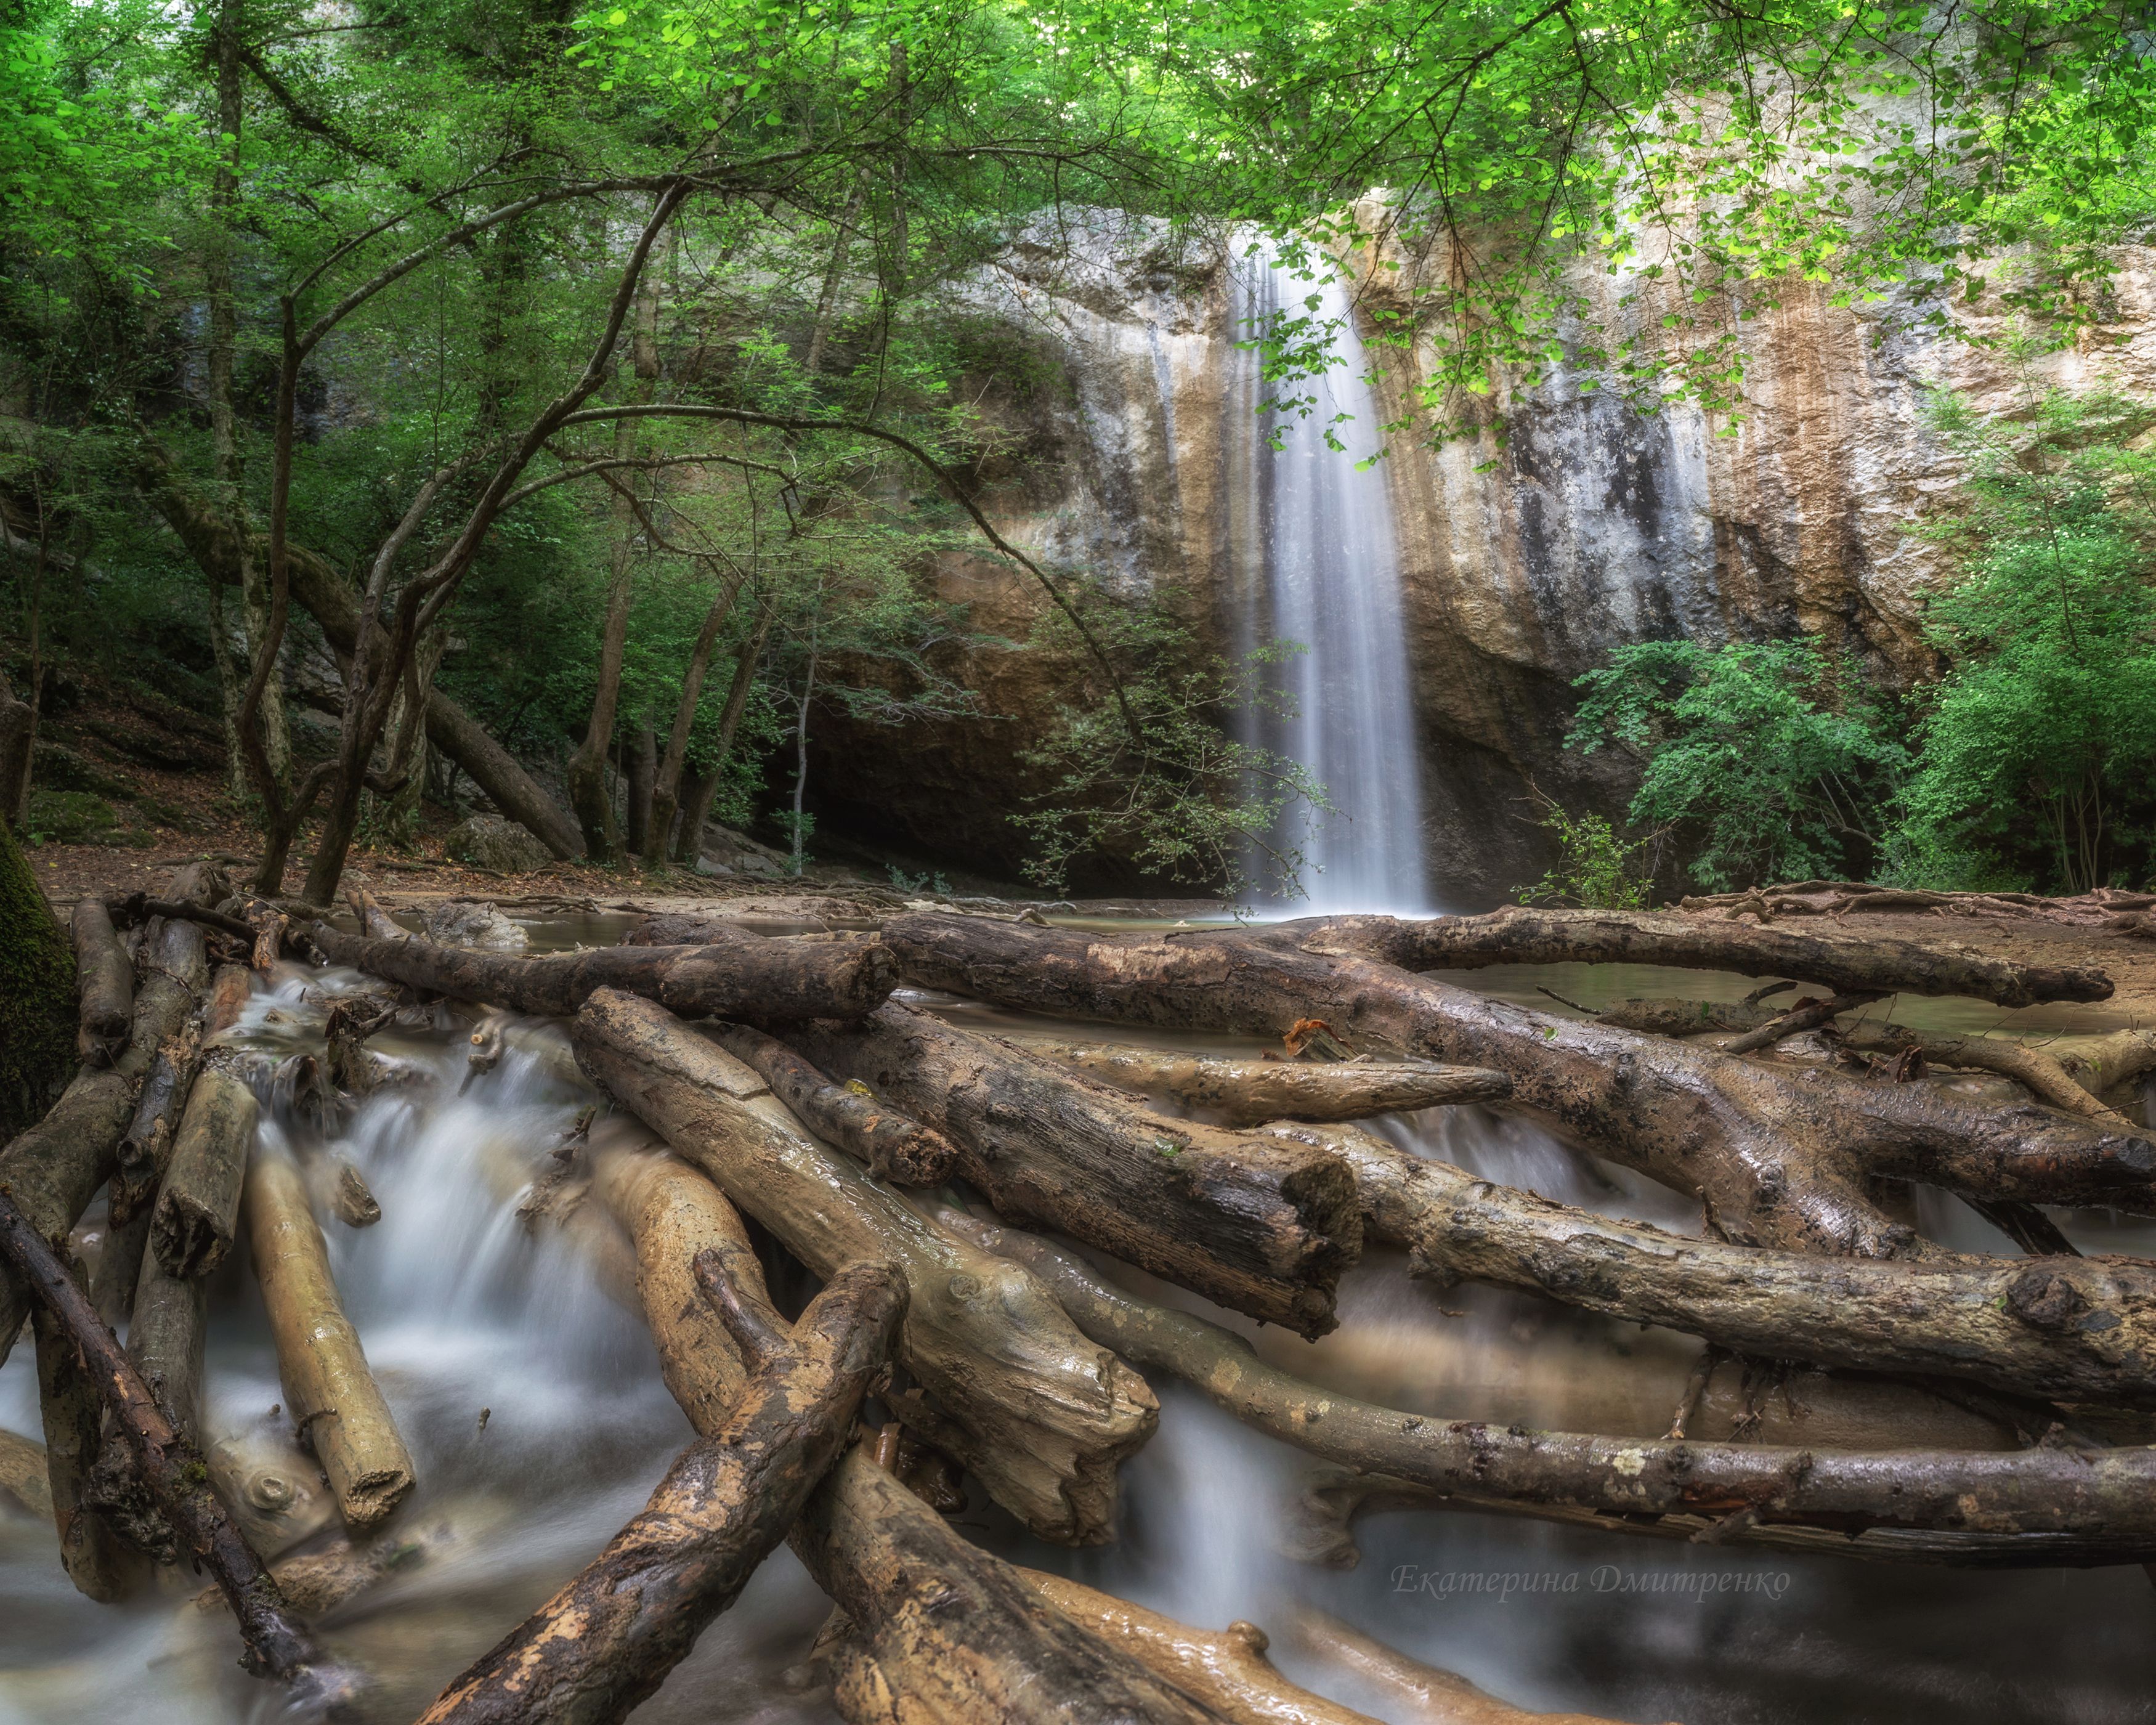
column 1596, row 869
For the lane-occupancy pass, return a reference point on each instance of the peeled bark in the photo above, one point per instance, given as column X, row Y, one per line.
column 104, row 985
column 1245, row 1093
column 942, row 1633
column 332, row 1396
column 2055, row 1328
column 277, row 1646
column 745, row 976
column 1225, row 1214
column 197, row 1210
column 2046, row 1504
column 895, row 1146
column 1419, row 1694
column 1226, row 1671
column 1847, row 963
column 1006, row 1383
column 1777, row 1156
column 606, row 1641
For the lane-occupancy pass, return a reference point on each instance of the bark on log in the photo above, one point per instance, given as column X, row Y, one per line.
column 746, row 977
column 942, row 1632
column 895, row 1146
column 146, row 1147
column 1224, row 1670
column 1847, row 963
column 374, row 922
column 73, row 1416
column 277, row 1646
column 1779, row 1157
column 53, row 1170
column 607, row 1640
column 1238, row 1093
column 229, row 991
column 1007, row 1385
column 2057, row 1328
column 1418, row 1694
column 1223, row 1213
column 332, row 1396
column 104, row 985
column 198, row 1209
column 2058, row 1506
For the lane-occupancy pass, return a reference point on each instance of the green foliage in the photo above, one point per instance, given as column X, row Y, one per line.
column 1597, row 869
column 1769, row 759
column 37, row 995
column 2038, row 748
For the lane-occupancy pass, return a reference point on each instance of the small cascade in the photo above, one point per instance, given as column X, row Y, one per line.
column 1318, row 530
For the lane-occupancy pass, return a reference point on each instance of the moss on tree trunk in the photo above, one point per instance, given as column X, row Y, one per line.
column 37, row 995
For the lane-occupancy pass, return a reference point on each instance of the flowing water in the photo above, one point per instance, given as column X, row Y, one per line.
column 1319, row 527
column 528, row 1393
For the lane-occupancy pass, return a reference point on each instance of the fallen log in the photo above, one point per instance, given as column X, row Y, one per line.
column 1418, row 1694
column 104, row 986
column 607, row 1640
column 140, row 908
column 1229, row 1215
column 1007, row 1384
column 73, row 1417
column 1224, row 1670
column 2021, row 1325
column 940, row 1629
column 277, row 1644
column 2039, row 1505
column 1779, row 1157
column 197, row 1208
column 54, row 1169
column 335, row 1403
column 895, row 1146
column 745, row 976
column 146, row 1147
column 1238, row 1093
column 1847, row 963
column 374, row 922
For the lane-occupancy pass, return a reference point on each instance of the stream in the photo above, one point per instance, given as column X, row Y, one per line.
column 528, row 1393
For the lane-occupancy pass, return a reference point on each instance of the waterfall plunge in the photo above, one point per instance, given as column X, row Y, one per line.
column 1321, row 534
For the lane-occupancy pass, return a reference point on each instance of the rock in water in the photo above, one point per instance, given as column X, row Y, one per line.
column 490, row 842
column 462, row 923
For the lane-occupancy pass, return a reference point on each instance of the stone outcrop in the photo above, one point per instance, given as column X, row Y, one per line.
column 1570, row 525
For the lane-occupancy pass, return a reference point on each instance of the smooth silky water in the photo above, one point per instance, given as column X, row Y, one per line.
column 528, row 1391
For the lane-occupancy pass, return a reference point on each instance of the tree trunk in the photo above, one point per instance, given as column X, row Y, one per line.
column 643, row 776
column 105, row 986
column 1238, row 1093
column 607, row 1640
column 332, row 1395
column 827, row 300
column 666, row 786
column 1845, row 963
column 38, row 1019
column 1225, row 1215
column 1040, row 1415
column 2045, row 1505
column 748, row 976
column 277, row 1646
column 689, row 843
column 2013, row 1323
column 1778, row 1157
column 19, row 736
column 893, row 1147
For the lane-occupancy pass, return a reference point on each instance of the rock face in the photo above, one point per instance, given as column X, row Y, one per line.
column 1569, row 526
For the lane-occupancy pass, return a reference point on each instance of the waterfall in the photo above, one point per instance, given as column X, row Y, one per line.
column 1322, row 563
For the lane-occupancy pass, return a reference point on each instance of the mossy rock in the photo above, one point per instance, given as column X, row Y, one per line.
column 37, row 995
column 55, row 766
column 490, row 842
column 73, row 818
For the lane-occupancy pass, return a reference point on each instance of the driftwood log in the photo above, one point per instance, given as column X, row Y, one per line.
column 278, row 1645
column 895, row 1146
column 747, row 976
column 73, row 1411
column 2057, row 1328
column 332, row 1396
column 1227, row 1214
column 54, row 1169
column 196, row 1214
column 1777, row 1156
column 1845, row 963
column 1040, row 1415
column 2040, row 1506
column 607, row 1640
column 1245, row 1093
column 104, row 986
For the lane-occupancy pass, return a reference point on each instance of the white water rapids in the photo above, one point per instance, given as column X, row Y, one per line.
column 463, row 1309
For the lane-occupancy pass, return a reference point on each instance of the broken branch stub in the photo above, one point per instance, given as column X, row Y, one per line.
column 197, row 1208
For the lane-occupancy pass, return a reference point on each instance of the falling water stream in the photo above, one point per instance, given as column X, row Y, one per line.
column 528, row 1393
